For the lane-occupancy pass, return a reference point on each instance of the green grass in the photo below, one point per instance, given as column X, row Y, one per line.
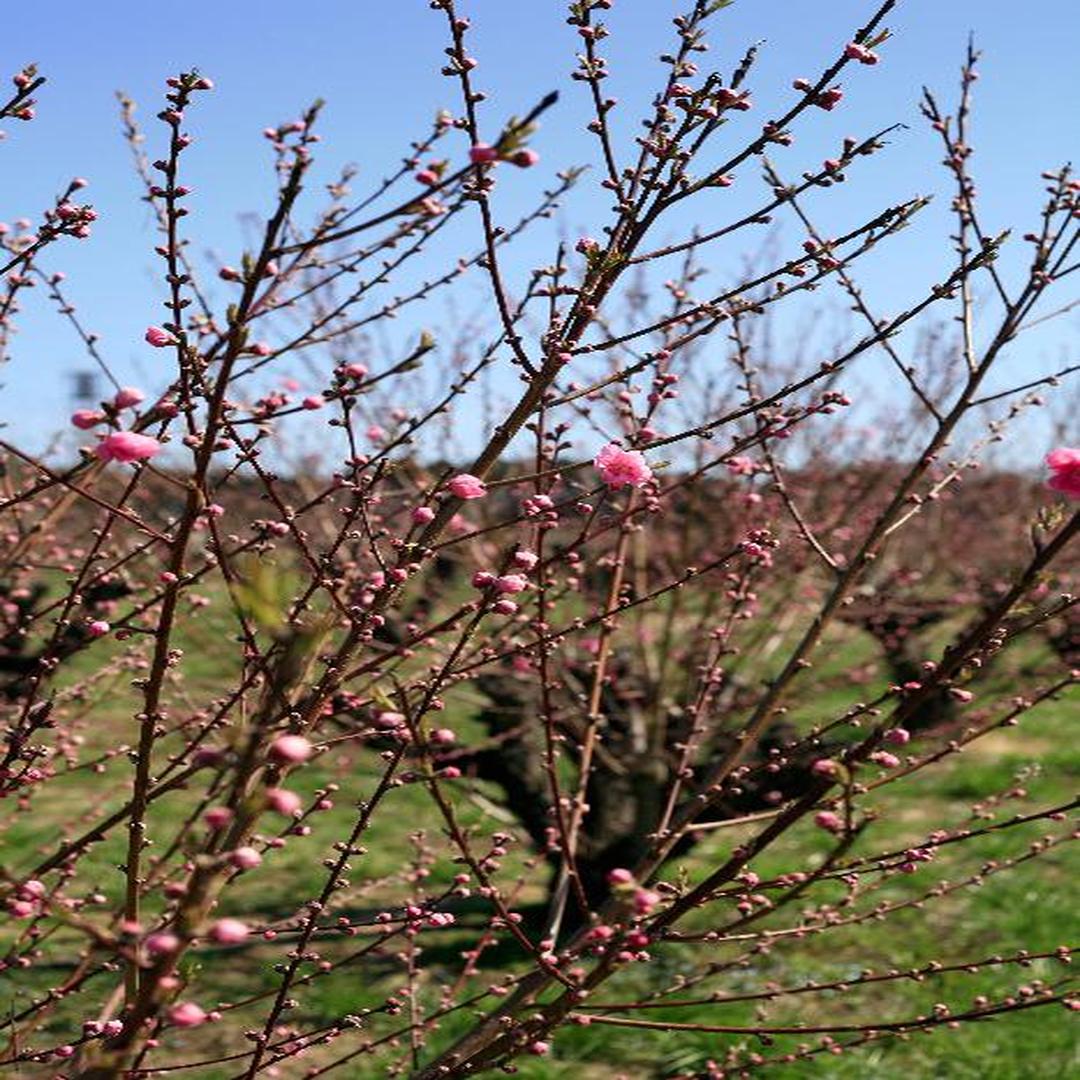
column 1032, row 906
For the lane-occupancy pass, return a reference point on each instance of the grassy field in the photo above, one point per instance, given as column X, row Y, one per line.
column 1031, row 907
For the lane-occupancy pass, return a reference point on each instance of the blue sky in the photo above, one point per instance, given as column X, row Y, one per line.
column 377, row 65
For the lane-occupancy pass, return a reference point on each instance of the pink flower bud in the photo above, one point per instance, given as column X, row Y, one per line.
column 283, row 801
column 244, row 858
column 186, row 1014
column 290, row 749
column 897, row 736
column 217, row 817
column 423, row 514
column 1064, row 463
column 885, row 759
column 482, row 154
column 645, row 900
column 98, row 628
column 828, row 821
column 84, row 419
column 127, row 446
column 229, row 931
column 127, row 397
column 511, row 583
column 467, row 486
column 32, row 890
column 619, row 876
column 162, row 943
column 524, row 159
column 158, row 337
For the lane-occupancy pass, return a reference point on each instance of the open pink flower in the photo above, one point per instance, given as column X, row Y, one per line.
column 127, row 446
column 622, row 468
column 1065, row 465
column 467, row 486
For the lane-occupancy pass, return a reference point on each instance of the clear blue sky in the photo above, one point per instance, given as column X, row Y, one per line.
column 376, row 63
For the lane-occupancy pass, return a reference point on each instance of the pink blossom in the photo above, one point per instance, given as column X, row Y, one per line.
column 290, row 749
column 217, row 817
column 423, row 514
column 467, row 486
column 158, row 337
column 645, row 900
column 186, row 1014
column 854, row 51
column 482, row 154
column 619, row 876
column 828, row 821
column 885, row 759
column 442, row 737
column 127, row 446
column 128, row 396
column 741, row 466
column 229, row 931
column 622, row 468
column 829, row 99
column 245, row 858
column 1064, row 463
column 84, row 419
column 98, row 628
column 31, row 890
column 526, row 559
column 897, row 736
column 283, row 801
column 313, row 402
column 162, row 943
column 511, row 583
column 824, row 767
